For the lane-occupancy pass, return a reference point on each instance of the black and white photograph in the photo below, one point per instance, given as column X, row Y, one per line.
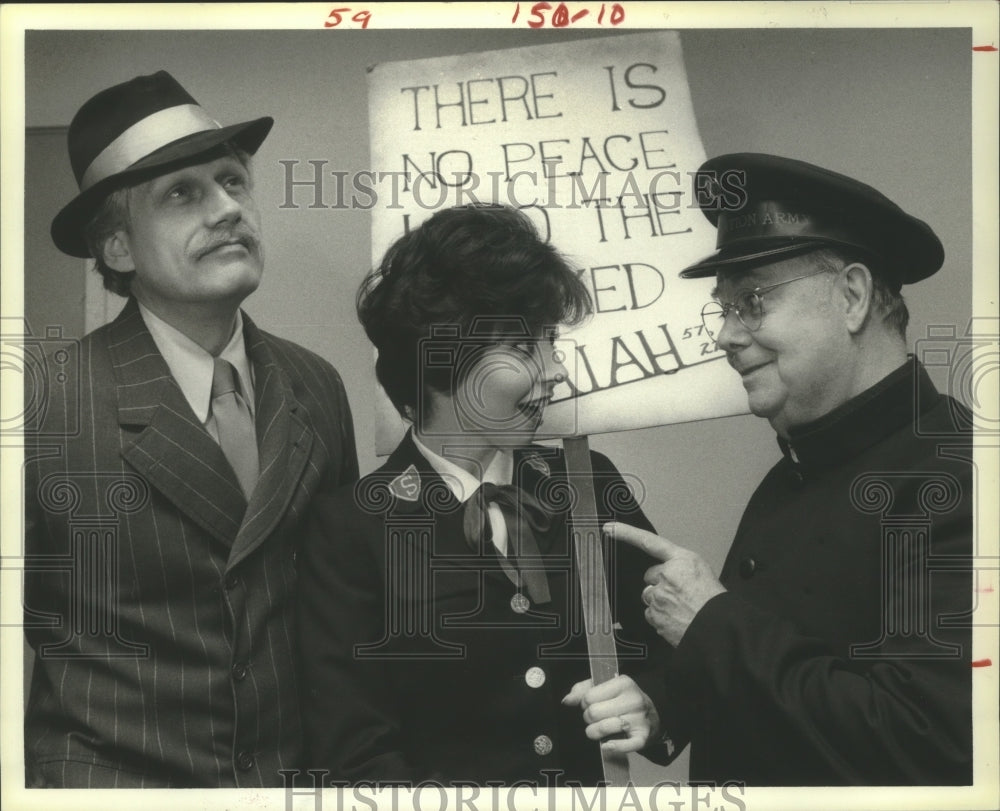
column 505, row 405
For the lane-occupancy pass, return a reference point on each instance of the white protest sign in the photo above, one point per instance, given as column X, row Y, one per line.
column 596, row 140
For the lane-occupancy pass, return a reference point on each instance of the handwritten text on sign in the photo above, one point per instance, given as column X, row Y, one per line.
column 596, row 141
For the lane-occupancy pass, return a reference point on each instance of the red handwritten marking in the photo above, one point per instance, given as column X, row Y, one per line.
column 984, row 48
column 985, row 590
column 561, row 16
column 363, row 17
column 982, row 663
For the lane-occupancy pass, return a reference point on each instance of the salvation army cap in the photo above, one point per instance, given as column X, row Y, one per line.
column 768, row 208
column 126, row 133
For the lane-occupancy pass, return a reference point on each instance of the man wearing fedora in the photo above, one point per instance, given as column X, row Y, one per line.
column 166, row 489
column 835, row 647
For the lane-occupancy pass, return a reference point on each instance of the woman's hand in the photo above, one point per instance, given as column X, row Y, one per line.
column 616, row 707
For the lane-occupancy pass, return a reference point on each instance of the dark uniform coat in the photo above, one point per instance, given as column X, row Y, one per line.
column 841, row 653
column 159, row 603
column 419, row 661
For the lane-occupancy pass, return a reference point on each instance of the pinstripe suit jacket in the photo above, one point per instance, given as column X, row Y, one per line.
column 159, row 603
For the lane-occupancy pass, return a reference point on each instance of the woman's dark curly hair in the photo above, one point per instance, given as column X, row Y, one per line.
column 463, row 267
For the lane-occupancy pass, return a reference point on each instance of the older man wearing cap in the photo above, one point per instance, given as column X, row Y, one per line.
column 166, row 488
column 835, row 647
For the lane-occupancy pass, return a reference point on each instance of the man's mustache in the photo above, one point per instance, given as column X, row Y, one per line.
column 237, row 235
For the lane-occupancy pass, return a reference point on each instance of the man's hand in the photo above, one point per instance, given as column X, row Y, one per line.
column 678, row 587
column 616, row 707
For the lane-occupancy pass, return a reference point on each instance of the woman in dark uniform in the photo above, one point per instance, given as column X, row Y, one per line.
column 440, row 627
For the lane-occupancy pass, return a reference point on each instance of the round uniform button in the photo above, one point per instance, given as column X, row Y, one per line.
column 535, row 677
column 519, row 603
column 244, row 761
column 747, row 567
column 232, row 581
column 797, row 477
column 239, row 671
column 543, row 745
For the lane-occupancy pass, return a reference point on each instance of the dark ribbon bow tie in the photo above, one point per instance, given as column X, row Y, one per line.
column 525, row 517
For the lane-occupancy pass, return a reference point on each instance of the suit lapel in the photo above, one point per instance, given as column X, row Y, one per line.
column 172, row 451
column 284, row 441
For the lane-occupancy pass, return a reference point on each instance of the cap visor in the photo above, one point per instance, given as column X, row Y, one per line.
column 730, row 258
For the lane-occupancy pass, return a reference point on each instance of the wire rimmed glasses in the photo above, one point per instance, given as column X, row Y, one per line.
column 747, row 304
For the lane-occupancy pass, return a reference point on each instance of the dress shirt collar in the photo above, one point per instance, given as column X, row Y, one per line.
column 463, row 484
column 193, row 367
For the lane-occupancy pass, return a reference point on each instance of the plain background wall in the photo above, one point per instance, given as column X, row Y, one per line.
column 889, row 106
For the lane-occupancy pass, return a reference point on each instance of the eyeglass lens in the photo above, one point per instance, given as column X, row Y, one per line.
column 749, row 309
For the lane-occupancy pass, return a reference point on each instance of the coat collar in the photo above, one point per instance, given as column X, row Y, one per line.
column 863, row 421
column 410, row 487
column 175, row 453
column 414, row 483
column 414, row 487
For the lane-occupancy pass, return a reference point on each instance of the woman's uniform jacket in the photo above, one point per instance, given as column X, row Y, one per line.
column 418, row 659
column 160, row 604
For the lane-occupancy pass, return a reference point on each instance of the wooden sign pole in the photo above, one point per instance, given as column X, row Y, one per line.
column 589, row 554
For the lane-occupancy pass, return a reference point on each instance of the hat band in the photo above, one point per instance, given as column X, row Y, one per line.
column 772, row 220
column 145, row 137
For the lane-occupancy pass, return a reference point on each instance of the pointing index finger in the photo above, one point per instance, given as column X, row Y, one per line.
column 648, row 542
